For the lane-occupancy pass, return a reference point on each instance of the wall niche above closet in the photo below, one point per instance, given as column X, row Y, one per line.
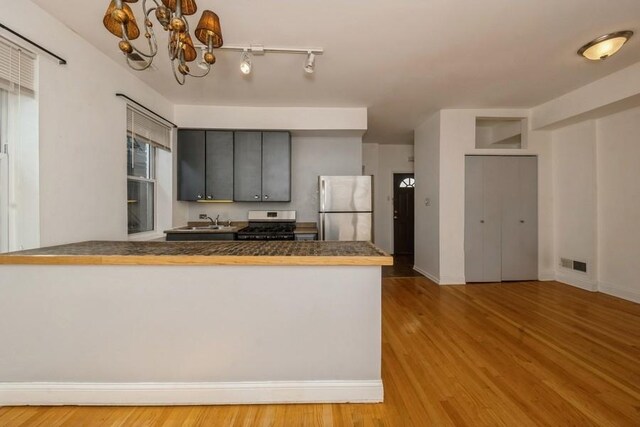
column 499, row 133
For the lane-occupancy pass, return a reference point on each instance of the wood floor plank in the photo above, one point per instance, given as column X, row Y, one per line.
column 525, row 354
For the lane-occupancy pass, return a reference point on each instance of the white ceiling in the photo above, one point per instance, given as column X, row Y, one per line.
column 403, row 59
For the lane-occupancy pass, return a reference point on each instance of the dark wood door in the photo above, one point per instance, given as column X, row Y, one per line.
column 247, row 171
column 276, row 167
column 219, row 183
column 403, row 214
column 191, row 165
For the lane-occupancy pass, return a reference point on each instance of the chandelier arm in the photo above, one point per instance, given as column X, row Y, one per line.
column 180, row 78
column 136, row 65
column 201, row 75
column 153, row 45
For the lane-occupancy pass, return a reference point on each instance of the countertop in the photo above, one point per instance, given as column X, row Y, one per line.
column 301, row 228
column 204, row 253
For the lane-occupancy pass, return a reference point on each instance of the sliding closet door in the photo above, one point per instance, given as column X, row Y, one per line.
column 519, row 218
column 483, row 219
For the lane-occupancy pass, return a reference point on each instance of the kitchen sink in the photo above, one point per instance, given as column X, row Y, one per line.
column 207, row 227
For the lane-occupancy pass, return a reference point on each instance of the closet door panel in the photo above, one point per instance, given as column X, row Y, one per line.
column 511, row 238
column 482, row 219
column 519, row 219
column 474, row 215
column 492, row 230
column 529, row 194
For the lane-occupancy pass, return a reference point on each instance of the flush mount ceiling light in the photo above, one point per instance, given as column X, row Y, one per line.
column 120, row 21
column 310, row 63
column 605, row 46
column 245, row 63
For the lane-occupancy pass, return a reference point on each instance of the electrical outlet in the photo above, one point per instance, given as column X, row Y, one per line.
column 203, row 216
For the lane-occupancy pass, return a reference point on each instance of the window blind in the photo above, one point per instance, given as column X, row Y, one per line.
column 146, row 129
column 17, row 68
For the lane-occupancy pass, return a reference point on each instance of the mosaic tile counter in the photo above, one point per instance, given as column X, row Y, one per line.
column 189, row 323
column 203, row 253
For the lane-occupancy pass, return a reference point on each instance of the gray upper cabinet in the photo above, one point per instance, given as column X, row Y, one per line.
column 191, row 165
column 205, row 165
column 247, row 171
column 262, row 167
column 243, row 166
column 276, row 167
column 219, row 165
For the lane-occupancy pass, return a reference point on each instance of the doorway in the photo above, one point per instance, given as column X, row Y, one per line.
column 403, row 214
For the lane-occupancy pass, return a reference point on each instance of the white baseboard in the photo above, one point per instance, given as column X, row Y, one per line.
column 428, row 275
column 546, row 276
column 582, row 283
column 452, row 280
column 609, row 289
column 107, row 394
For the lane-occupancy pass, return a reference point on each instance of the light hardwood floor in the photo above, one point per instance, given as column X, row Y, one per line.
column 520, row 354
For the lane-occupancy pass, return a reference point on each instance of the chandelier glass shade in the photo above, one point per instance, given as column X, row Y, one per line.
column 120, row 21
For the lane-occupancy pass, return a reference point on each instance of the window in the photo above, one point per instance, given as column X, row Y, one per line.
column 19, row 149
column 144, row 137
column 141, row 184
column 408, row 183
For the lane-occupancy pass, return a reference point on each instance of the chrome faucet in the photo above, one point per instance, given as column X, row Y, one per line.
column 212, row 221
column 217, row 219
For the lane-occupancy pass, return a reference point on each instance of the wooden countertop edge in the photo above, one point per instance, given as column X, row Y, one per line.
column 194, row 260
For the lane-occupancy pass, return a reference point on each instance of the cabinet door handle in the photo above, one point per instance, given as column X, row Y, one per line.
column 199, row 196
column 209, row 197
column 266, row 197
column 256, row 197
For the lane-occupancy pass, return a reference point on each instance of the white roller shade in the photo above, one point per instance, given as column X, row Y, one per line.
column 149, row 130
column 17, row 68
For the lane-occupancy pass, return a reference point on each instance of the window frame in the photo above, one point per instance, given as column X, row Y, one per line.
column 153, row 160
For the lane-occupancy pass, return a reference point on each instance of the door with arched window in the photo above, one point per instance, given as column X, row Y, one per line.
column 403, row 215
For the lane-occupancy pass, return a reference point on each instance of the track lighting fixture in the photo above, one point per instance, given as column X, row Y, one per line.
column 309, row 65
column 245, row 63
column 248, row 51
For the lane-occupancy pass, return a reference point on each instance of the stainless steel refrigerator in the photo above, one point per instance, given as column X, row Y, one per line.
column 346, row 208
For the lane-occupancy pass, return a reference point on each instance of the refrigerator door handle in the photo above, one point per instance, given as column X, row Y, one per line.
column 323, row 195
column 321, row 228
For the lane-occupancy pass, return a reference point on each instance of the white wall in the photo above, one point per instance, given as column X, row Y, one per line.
column 311, row 156
column 82, row 130
column 270, row 118
column 618, row 184
column 616, row 92
column 427, row 209
column 457, row 138
column 574, row 171
column 382, row 161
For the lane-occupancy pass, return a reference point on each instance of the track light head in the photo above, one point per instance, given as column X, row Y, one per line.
column 245, row 64
column 310, row 63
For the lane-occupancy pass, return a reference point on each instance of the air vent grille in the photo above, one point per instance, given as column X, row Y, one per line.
column 573, row 265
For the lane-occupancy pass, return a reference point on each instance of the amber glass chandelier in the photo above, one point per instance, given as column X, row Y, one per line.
column 121, row 22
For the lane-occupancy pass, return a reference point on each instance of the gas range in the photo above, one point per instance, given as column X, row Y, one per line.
column 269, row 225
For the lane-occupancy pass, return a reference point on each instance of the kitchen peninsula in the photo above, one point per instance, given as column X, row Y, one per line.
column 191, row 323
